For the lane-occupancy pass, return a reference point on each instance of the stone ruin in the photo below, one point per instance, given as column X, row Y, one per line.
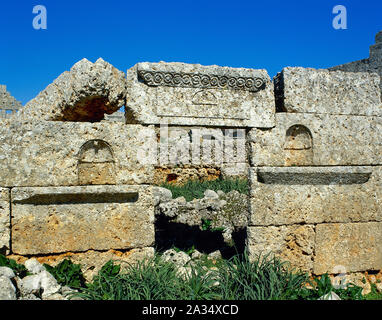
column 8, row 104
column 74, row 185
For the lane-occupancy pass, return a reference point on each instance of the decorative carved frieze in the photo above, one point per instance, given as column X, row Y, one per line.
column 198, row 80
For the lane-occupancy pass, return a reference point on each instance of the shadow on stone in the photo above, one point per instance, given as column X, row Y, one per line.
column 170, row 234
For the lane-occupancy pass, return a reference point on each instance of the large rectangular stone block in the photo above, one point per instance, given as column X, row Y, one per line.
column 192, row 94
column 292, row 195
column 307, row 90
column 5, row 231
column 294, row 244
column 51, row 153
column 73, row 219
column 317, row 140
column 354, row 246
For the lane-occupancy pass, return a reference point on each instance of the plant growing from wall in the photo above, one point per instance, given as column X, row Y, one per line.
column 67, row 274
column 18, row 269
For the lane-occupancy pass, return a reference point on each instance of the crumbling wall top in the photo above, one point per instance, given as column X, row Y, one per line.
column 378, row 37
column 85, row 93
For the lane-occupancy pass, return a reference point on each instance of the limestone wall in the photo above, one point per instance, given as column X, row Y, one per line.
column 316, row 176
column 72, row 185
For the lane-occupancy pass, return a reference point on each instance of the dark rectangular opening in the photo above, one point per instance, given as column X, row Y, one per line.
column 79, row 198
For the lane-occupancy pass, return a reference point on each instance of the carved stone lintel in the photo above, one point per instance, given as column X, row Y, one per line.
column 198, row 80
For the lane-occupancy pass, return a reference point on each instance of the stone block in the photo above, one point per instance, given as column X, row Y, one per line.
column 192, row 94
column 294, row 244
column 317, row 140
column 5, row 231
column 352, row 246
column 181, row 175
column 306, row 90
column 51, row 153
column 292, row 195
column 49, row 220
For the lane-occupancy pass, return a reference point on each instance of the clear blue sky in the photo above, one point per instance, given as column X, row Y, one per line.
column 253, row 34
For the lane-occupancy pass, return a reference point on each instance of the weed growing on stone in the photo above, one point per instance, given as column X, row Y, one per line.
column 67, row 274
column 18, row 269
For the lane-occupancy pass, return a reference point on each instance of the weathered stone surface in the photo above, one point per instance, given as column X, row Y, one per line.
column 29, row 285
column 355, row 246
column 191, row 94
column 92, row 261
column 235, row 171
column 317, row 140
column 291, row 195
column 49, row 284
column 161, row 195
column 293, row 243
column 373, row 64
column 211, row 194
column 85, row 93
column 7, row 272
column 61, row 219
column 5, row 232
column 47, row 153
column 54, row 296
column 42, row 283
column 355, row 66
column 8, row 104
column 180, row 175
column 180, row 258
column 376, row 53
column 306, row 90
column 29, row 297
column 7, row 290
column 33, row 266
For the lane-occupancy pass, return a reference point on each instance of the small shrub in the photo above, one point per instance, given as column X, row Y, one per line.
column 194, row 189
column 149, row 279
column 18, row 269
column 67, row 274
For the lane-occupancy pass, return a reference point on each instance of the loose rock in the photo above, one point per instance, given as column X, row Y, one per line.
column 33, row 266
column 7, row 272
column 7, row 290
column 180, row 259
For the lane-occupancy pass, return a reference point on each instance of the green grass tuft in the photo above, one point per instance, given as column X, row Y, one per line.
column 194, row 189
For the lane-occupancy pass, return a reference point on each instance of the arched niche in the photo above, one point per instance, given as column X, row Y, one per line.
column 96, row 163
column 298, row 147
